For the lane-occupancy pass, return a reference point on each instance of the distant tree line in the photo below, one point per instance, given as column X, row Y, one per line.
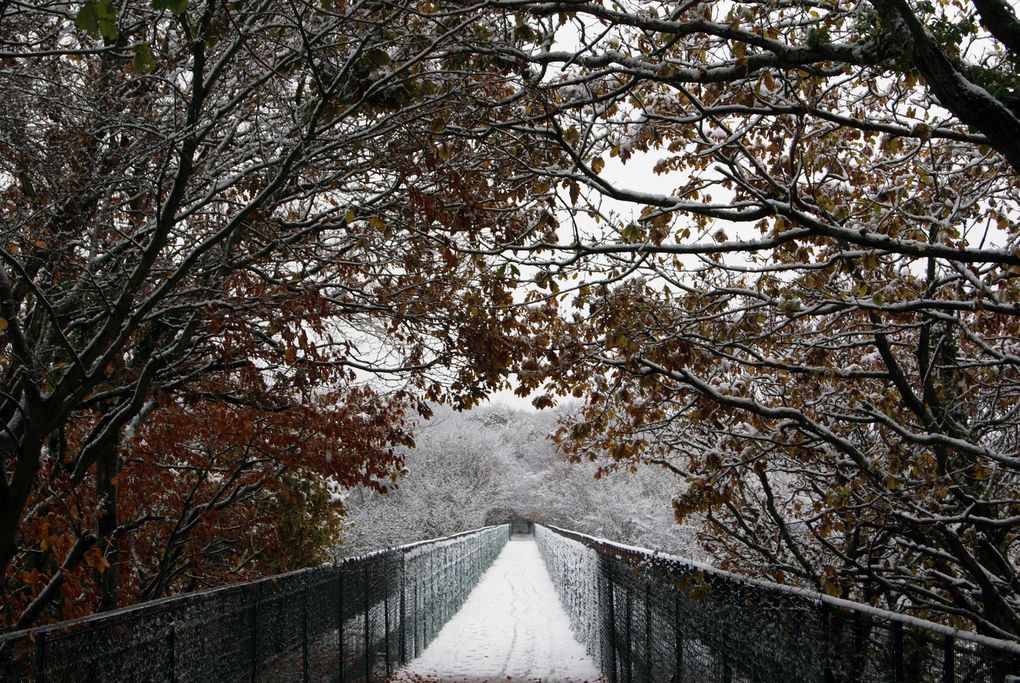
column 494, row 464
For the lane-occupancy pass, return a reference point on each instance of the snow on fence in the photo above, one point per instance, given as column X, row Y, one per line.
column 354, row 620
column 648, row 617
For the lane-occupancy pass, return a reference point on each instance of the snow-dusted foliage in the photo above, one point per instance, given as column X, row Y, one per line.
column 212, row 238
column 493, row 464
column 574, row 568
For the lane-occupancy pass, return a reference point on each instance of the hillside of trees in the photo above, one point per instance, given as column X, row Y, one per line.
column 493, row 464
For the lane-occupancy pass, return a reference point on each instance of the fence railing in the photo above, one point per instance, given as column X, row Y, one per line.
column 354, row 620
column 647, row 617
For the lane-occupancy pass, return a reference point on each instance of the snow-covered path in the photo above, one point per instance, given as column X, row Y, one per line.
column 511, row 627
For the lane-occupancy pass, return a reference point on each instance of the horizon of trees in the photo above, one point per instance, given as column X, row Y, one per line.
column 243, row 245
column 495, row 463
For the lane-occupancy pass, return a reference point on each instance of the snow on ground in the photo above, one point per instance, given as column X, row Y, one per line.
column 512, row 627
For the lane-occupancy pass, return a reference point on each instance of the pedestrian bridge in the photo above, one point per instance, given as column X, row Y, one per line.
column 490, row 606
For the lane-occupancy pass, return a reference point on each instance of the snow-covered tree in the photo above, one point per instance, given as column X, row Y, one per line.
column 226, row 211
column 494, row 464
column 815, row 324
column 214, row 213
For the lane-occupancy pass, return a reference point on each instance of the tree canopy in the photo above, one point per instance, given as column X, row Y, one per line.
column 816, row 326
column 220, row 219
column 210, row 240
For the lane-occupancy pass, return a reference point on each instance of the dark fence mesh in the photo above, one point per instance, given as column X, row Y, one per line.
column 356, row 620
column 646, row 617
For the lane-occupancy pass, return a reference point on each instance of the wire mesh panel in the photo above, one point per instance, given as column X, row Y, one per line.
column 198, row 646
column 280, row 626
column 649, row 618
column 352, row 621
column 123, row 646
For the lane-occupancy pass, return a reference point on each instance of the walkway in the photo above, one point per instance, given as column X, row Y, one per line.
column 512, row 627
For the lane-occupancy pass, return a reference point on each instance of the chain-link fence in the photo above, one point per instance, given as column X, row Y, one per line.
column 355, row 620
column 647, row 617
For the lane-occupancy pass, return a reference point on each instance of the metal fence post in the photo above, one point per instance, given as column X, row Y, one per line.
column 439, row 613
column 678, row 641
column 860, row 647
column 40, row 657
column 342, row 658
column 648, row 633
column 255, row 657
column 368, row 630
column 172, row 646
column 948, row 660
column 629, row 647
column 430, row 632
column 403, row 608
column 612, row 621
column 823, row 615
column 386, row 621
column 899, row 673
column 304, row 632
